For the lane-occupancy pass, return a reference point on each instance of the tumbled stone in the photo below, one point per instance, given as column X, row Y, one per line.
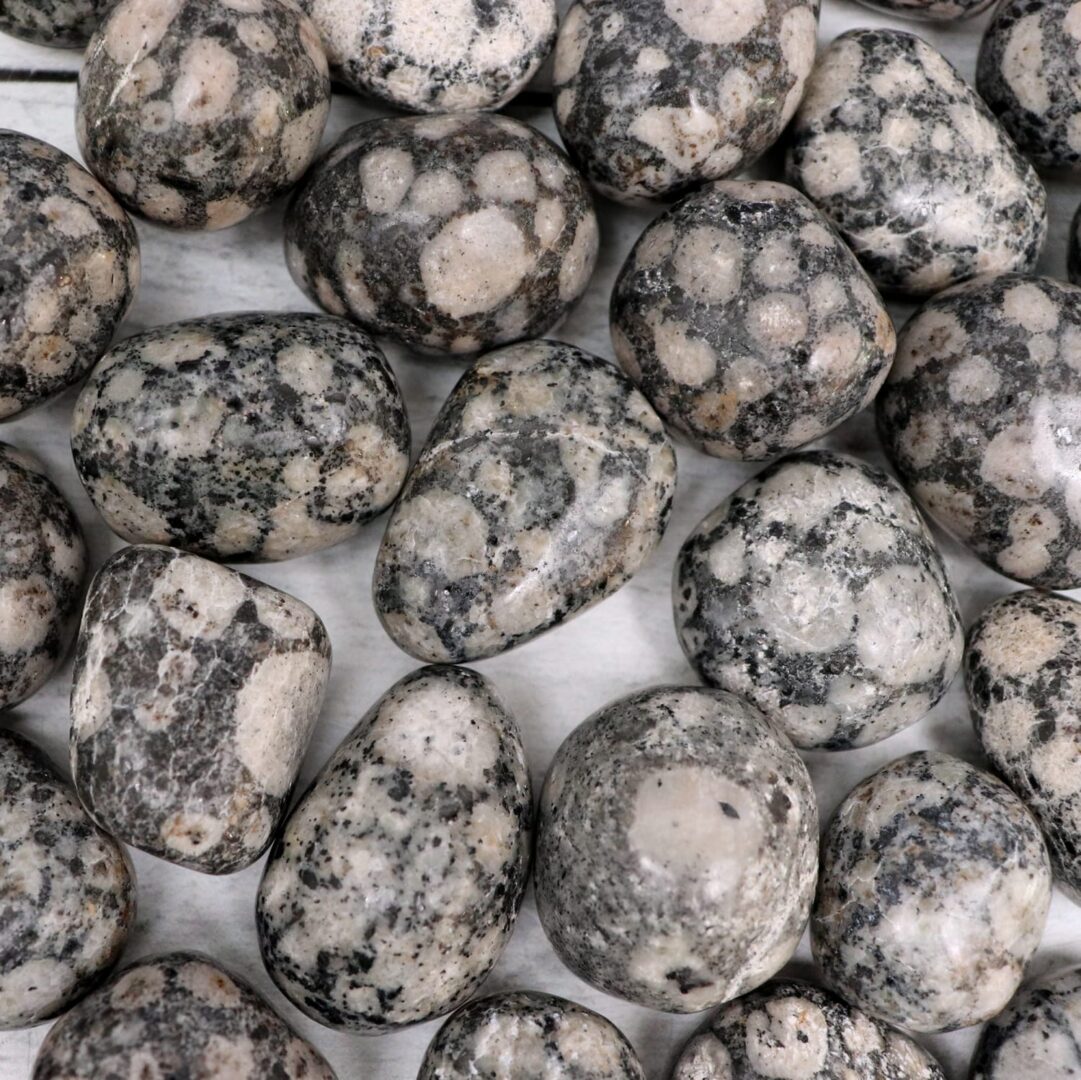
column 396, row 881
column 899, row 152
column 545, row 484
column 748, row 323
column 449, row 233
column 677, row 846
column 177, row 1015
column 197, row 113
column 933, row 895
column 65, row 24
column 254, row 436
column 931, row 10
column 195, row 692
column 68, row 895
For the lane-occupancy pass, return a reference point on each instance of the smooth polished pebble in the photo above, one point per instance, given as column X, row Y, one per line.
column 545, row 484
column 933, row 894
column 64, row 24
column 935, row 11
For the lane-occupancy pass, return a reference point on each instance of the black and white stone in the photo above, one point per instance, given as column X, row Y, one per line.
column 933, row 894
column 69, row 268
column 197, row 113
column 900, row 153
column 979, row 416
column 526, row 1035
column 396, row 881
column 172, row 1016
column 816, row 592
column 449, row 233
column 677, row 847
column 247, row 436
column 654, row 97
column 748, row 323
column 195, row 692
column 64, row 24
column 545, row 484
column 938, row 11
column 68, row 894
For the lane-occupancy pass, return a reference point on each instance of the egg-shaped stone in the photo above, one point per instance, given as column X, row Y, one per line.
column 450, row 234
column 979, row 417
column 68, row 891
column 194, row 694
column 747, row 322
column 244, row 436
column 900, row 153
column 933, row 894
column 816, row 592
column 177, row 1015
column 545, row 484
column 395, row 884
column 64, row 24
column 197, row 113
column 677, row 846
column 935, row 11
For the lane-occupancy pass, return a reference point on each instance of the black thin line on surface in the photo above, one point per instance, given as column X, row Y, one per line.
column 37, row 75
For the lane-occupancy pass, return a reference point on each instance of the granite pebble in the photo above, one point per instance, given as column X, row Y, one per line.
column 934, row 11
column 62, row 24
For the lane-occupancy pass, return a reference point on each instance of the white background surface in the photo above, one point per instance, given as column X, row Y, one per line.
column 551, row 684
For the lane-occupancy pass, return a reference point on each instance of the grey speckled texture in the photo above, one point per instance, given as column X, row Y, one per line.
column 197, row 113
column 195, row 692
column 69, row 267
column 677, row 846
column 65, row 24
column 979, row 415
column 933, row 894
column 254, row 436
column 449, row 233
column 748, row 323
column 931, row 10
column 68, row 898
column 653, row 97
column 396, row 882
column 546, row 482
column 816, row 591
column 909, row 164
column 180, row 1016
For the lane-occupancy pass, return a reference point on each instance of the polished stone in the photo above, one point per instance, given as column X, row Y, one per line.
column 65, row 24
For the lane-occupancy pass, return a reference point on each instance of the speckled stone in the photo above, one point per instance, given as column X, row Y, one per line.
column 653, row 97
column 197, row 113
column 913, row 169
column 68, row 897
column 396, row 882
column 251, row 436
column 931, row 10
column 748, row 323
column 816, row 592
column 65, row 24
column 177, row 1016
column 449, row 233
column 195, row 693
column 677, row 846
column 933, row 894
column 526, row 1035
column 796, row 1031
column 545, row 484
column 69, row 267
column 979, row 415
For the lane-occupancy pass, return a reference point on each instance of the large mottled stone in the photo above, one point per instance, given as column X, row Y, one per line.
column 65, row 24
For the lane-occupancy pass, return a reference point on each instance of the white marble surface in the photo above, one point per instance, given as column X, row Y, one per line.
column 552, row 684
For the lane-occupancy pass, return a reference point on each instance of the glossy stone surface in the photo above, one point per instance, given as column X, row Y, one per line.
column 177, row 1015
column 449, row 233
column 195, row 692
column 931, row 10
column 677, row 847
column 978, row 415
column 69, row 267
column 197, row 113
column 653, row 97
column 65, row 24
column 748, row 323
column 396, row 881
column 68, row 892
column 933, row 894
column 899, row 152
column 253, row 436
column 545, row 484
column 816, row 592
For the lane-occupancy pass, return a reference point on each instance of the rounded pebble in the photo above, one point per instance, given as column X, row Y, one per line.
column 935, row 11
column 64, row 24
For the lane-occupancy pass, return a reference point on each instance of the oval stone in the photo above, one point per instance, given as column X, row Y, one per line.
column 246, row 436
column 938, row 11
column 65, row 24
column 396, row 881
column 545, row 484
